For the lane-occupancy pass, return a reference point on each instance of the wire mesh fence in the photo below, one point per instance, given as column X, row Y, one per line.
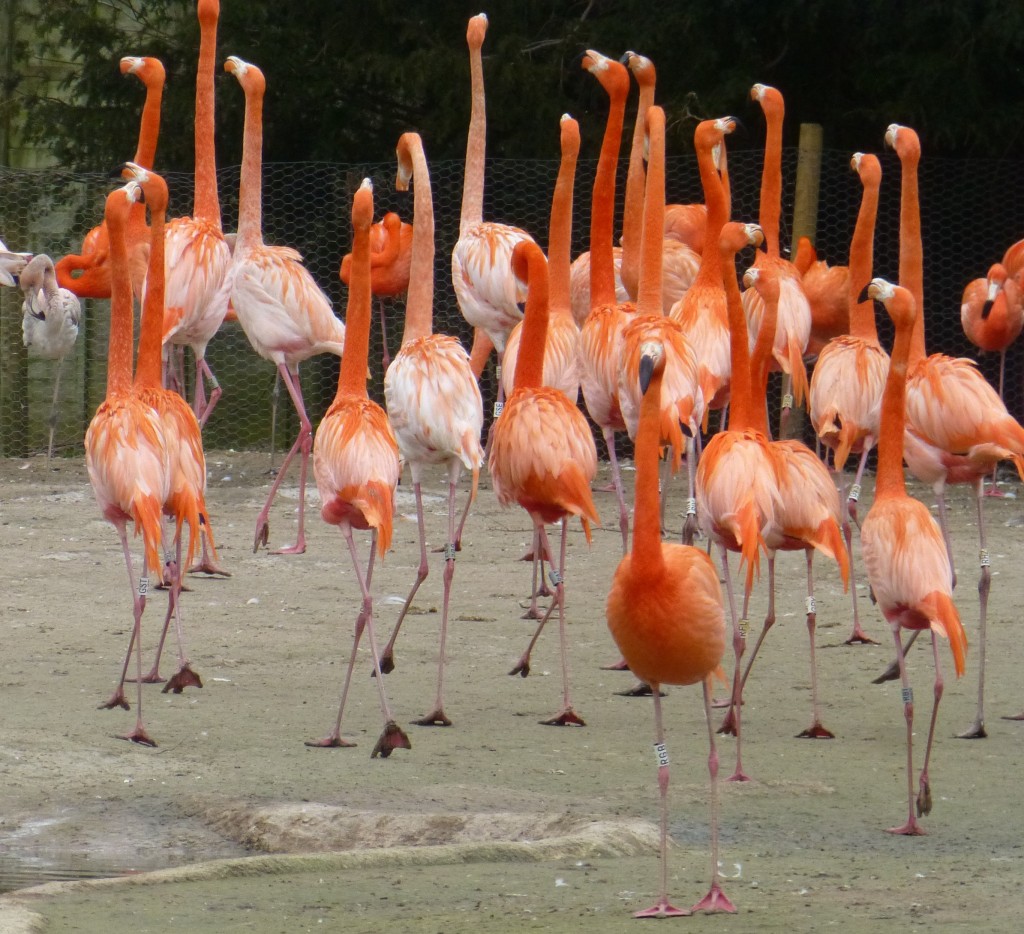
column 972, row 210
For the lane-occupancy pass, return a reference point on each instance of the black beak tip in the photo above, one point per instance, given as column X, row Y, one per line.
column 863, row 297
column 986, row 309
column 646, row 372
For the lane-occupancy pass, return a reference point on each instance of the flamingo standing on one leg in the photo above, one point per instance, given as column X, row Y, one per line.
column 849, row 376
column 903, row 549
column 666, row 615
column 125, row 448
column 355, row 462
column 282, row 310
column 49, row 323
column 433, row 402
column 543, row 455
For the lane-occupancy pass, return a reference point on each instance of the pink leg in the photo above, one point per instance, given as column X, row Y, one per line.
column 385, row 356
column 184, row 677
column 207, row 564
column 977, row 729
column 716, row 900
column 739, row 642
column 815, row 730
column 853, row 496
column 924, row 793
column 303, row 443
column 858, row 636
column 609, row 440
column 204, row 408
column 911, row 827
column 567, row 716
column 690, row 524
column 993, row 489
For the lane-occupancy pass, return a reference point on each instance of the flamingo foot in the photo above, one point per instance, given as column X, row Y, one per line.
column 331, row 742
column 392, row 738
column 994, row 491
column 522, row 668
column 910, row 829
column 117, row 699
column 663, row 910
column 690, row 530
column 531, row 613
column 924, row 798
column 262, row 535
column 976, row 730
column 1016, row 716
column 716, row 900
column 153, row 677
column 139, row 737
column 640, row 689
column 567, row 717
column 299, row 548
column 207, row 566
column 620, row 665
column 860, row 637
column 437, row 718
column 387, row 664
column 607, row 488
column 728, row 727
column 739, row 776
column 183, row 678
column 816, row 731
column 890, row 674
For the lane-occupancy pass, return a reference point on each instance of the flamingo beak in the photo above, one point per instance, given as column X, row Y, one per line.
column 646, row 371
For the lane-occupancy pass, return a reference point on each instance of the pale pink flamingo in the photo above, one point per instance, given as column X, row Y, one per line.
column 282, row 310
column 198, row 257
column 794, row 328
column 906, row 561
column 601, row 335
column 356, row 465
column 666, row 615
column 125, row 448
column 433, row 403
column 826, row 288
column 543, row 455
column 849, row 375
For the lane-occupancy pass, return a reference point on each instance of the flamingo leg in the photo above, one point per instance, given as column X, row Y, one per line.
column 303, row 443
column 815, row 730
column 204, row 407
column 690, row 523
column 567, row 716
column 853, row 495
column 184, row 677
column 208, row 563
column 977, row 729
column 716, row 900
column 662, row 908
column 609, row 439
column 739, row 641
column 275, row 398
column 911, row 827
column 993, row 489
column 924, row 794
column 54, row 410
column 385, row 356
column 858, row 636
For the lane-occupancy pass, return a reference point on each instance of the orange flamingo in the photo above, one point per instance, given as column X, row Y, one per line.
column 543, row 455
column 794, row 310
column 682, row 401
column 702, row 311
column 903, row 548
column 126, row 452
column 849, row 376
column 186, row 502
column 826, row 288
column 198, row 257
column 808, row 515
column 355, row 462
column 666, row 615
column 390, row 259
column 433, row 402
column 88, row 274
column 601, row 335
column 282, row 310
column 484, row 286
column 738, row 472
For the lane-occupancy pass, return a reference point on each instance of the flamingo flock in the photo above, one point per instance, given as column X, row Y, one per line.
column 656, row 333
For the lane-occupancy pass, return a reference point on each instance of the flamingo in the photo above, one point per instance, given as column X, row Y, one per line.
column 355, row 462
column 433, row 402
column 126, row 452
column 579, row 284
column 738, row 472
column 702, row 311
column 666, row 615
column 794, row 327
column 849, row 376
column 11, row 264
column 186, row 502
column 682, row 401
column 957, row 428
column 601, row 335
column 390, row 259
column 543, row 455
column 49, row 323
column 88, row 274
column 903, row 548
column 198, row 257
column 282, row 310
column 808, row 515
column 561, row 350
column 481, row 272
column 826, row 288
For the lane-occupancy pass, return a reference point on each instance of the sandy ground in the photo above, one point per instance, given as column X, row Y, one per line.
column 497, row 823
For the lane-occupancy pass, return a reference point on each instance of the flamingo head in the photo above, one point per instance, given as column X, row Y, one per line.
column 406, row 143
column 652, row 360
column 476, row 30
column 642, row 68
column 248, row 75
column 904, row 141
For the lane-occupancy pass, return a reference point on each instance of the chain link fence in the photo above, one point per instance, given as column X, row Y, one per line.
column 972, row 210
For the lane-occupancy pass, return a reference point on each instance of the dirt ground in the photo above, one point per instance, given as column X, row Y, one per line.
column 498, row 822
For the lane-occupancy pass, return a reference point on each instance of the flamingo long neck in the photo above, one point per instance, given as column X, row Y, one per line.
column 710, row 272
column 419, row 304
column 602, row 215
column 476, row 145
column 633, row 213
column 149, row 126
column 911, row 251
column 862, row 314
column 148, row 369
column 560, row 232
column 648, row 299
column 741, row 408
column 250, row 189
column 770, row 210
column 530, row 362
column 889, row 479
column 352, row 378
column 760, row 361
column 119, row 350
column 647, row 556
column 207, row 202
